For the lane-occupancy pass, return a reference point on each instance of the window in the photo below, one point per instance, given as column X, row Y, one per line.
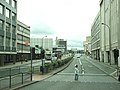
column 13, row 43
column 18, row 27
column 8, row 1
column 1, row 9
column 21, row 28
column 1, row 25
column 19, row 46
column 7, row 27
column 13, row 29
column 13, row 3
column 7, row 42
column 1, row 41
column 19, row 37
column 26, row 31
column 8, row 13
column 13, row 16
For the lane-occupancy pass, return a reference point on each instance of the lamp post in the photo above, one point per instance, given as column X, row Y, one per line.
column 28, row 27
column 31, row 51
column 42, row 53
column 109, row 40
column 22, row 48
column 31, row 61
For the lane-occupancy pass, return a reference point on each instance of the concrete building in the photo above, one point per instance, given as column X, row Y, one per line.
column 87, row 45
column 110, row 26
column 84, row 46
column 95, row 38
column 23, row 42
column 46, row 43
column 8, row 23
column 61, row 44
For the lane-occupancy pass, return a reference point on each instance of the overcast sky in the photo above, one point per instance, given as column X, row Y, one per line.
column 66, row 19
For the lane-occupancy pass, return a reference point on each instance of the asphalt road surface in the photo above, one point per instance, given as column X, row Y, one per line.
column 93, row 76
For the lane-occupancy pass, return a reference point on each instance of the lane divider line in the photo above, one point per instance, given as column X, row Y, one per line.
column 81, row 66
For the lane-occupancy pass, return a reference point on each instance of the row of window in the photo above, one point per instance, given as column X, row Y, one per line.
column 7, row 42
column 22, row 38
column 7, row 27
column 24, row 30
column 21, row 47
column 12, row 3
column 8, row 12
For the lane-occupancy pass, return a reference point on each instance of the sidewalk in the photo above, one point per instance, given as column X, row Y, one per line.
column 39, row 77
column 10, row 65
column 107, row 65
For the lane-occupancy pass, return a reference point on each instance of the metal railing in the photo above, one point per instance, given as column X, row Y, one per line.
column 10, row 77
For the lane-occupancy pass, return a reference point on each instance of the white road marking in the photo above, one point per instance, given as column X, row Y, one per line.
column 82, row 68
column 114, row 72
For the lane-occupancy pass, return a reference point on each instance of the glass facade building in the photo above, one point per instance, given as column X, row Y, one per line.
column 8, row 24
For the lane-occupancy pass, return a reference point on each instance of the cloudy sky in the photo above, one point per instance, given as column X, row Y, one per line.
column 66, row 19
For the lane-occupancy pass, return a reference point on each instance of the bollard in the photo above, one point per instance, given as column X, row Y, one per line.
column 22, row 78
column 10, row 83
column 119, row 76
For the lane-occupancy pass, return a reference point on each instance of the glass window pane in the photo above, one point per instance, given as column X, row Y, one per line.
column 7, row 27
column 13, row 29
column 13, row 43
column 1, row 9
column 8, row 1
column 1, row 41
column 1, row 25
column 7, row 13
column 13, row 16
column 14, row 3
column 7, row 42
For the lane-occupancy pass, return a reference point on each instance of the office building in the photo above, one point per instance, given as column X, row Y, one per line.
column 87, row 45
column 95, row 38
column 46, row 43
column 23, row 42
column 8, row 23
column 61, row 44
column 110, row 26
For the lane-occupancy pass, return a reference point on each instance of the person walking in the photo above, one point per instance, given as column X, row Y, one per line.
column 76, row 72
column 116, row 55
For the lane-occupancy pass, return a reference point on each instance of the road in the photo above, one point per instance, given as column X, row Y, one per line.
column 94, row 77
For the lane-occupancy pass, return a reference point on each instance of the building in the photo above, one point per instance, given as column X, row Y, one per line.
column 23, row 42
column 95, row 38
column 61, row 44
column 87, row 45
column 46, row 43
column 8, row 24
column 38, row 44
column 110, row 26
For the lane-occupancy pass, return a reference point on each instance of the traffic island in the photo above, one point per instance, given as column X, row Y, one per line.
column 50, row 69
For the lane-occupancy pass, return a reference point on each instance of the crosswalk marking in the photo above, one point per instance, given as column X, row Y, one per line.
column 79, row 81
column 82, row 74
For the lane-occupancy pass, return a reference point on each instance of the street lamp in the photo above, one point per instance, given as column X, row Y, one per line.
column 31, row 61
column 109, row 40
column 43, row 52
column 22, row 47
column 31, row 50
column 23, row 44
